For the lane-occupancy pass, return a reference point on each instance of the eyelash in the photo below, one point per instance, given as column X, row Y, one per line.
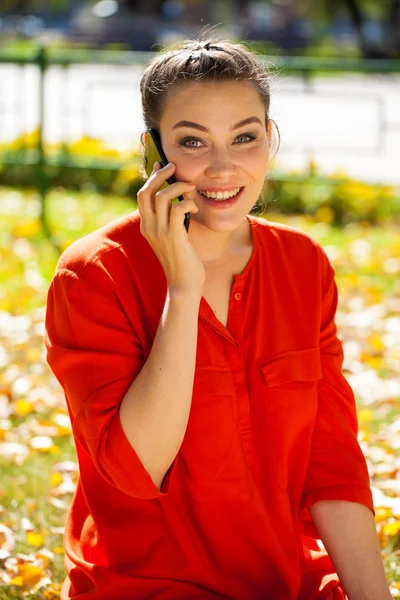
column 182, row 142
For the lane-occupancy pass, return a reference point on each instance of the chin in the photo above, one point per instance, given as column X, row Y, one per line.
column 218, row 224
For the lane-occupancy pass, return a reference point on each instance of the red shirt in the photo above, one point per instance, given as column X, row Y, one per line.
column 272, row 427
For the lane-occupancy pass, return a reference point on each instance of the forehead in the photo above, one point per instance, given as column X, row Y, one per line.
column 212, row 101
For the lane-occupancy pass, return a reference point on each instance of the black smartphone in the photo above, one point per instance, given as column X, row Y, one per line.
column 154, row 153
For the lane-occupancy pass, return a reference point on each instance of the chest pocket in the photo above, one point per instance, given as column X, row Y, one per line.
column 291, row 402
column 211, row 456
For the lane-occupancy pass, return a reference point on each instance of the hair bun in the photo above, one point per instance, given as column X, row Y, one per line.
column 209, row 46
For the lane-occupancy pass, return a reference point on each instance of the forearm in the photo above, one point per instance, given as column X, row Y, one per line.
column 155, row 409
column 348, row 532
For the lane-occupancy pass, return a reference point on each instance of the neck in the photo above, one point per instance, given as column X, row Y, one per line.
column 214, row 247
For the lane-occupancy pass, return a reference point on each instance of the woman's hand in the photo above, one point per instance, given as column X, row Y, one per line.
column 162, row 226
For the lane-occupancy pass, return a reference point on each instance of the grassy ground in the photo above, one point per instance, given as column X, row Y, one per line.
column 37, row 457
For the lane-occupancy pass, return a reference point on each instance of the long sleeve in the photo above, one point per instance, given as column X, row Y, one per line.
column 337, row 469
column 95, row 354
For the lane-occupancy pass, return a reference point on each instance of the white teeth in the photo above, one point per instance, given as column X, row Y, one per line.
column 220, row 195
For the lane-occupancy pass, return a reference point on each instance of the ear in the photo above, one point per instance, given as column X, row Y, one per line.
column 143, row 138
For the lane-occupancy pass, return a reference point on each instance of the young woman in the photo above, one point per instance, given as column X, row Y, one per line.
column 215, row 431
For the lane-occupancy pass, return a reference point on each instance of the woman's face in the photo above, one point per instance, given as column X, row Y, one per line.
column 204, row 133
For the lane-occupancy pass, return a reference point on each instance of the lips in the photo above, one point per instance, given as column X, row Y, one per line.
column 221, row 203
column 220, row 194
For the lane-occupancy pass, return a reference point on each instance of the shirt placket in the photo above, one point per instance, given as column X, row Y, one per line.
column 232, row 343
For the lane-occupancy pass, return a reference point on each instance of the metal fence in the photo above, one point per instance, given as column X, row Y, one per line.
column 380, row 118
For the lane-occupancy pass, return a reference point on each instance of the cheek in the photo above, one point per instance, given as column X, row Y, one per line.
column 182, row 162
column 260, row 154
column 255, row 162
column 188, row 168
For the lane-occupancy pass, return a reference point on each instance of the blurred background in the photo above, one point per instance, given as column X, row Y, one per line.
column 70, row 162
column 365, row 28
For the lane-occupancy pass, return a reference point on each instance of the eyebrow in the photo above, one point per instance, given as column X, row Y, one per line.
column 232, row 128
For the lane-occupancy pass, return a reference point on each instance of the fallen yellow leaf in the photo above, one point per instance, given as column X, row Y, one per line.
column 23, row 407
column 17, row 581
column 32, row 354
column 375, row 362
column 34, row 539
column 53, row 592
column 365, row 415
column 392, row 529
column 382, row 513
column 55, row 479
column 31, row 575
column 376, row 342
column 44, row 560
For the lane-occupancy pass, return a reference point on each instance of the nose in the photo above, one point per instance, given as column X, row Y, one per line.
column 221, row 166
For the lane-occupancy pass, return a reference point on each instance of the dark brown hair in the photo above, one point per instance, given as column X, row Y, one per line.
column 206, row 60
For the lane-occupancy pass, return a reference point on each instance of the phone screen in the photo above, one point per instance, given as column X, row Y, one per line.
column 155, row 153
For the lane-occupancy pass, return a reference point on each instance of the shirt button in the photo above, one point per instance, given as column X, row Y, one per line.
column 238, row 296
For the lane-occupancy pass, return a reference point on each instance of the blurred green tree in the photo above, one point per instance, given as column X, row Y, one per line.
column 360, row 12
column 22, row 7
column 387, row 12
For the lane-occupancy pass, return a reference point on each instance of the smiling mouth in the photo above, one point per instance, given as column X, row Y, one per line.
column 220, row 195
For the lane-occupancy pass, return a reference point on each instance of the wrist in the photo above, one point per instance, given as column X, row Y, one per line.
column 184, row 297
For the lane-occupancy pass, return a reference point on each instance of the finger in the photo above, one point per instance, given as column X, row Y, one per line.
column 174, row 190
column 146, row 213
column 158, row 177
column 156, row 167
column 145, row 200
column 177, row 215
column 163, row 202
